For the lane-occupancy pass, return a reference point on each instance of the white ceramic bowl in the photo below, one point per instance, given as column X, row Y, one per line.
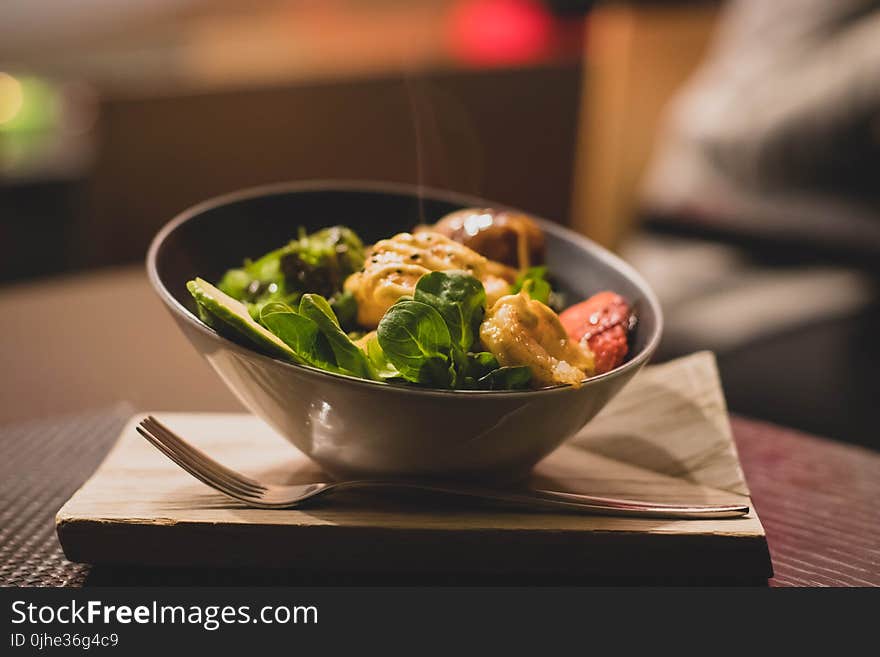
column 353, row 427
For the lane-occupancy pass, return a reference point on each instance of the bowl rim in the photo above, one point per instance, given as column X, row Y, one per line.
column 414, row 190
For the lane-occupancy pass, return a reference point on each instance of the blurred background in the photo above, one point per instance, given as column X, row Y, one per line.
column 729, row 150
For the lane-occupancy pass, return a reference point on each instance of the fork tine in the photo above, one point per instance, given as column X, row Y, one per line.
column 193, row 461
column 202, row 475
column 177, row 443
column 186, row 465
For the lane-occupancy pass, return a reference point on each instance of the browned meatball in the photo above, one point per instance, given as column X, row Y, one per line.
column 507, row 237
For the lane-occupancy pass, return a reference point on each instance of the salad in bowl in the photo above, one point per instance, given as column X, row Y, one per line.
column 428, row 308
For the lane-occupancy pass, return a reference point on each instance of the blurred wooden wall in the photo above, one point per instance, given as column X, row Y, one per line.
column 505, row 135
column 637, row 56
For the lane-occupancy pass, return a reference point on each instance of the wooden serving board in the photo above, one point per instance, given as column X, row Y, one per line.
column 665, row 437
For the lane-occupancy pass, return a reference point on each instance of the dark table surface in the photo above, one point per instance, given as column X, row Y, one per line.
column 817, row 500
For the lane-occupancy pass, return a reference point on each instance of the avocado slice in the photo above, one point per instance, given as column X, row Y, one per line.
column 233, row 314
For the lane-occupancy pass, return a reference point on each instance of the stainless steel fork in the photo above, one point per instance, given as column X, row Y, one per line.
column 272, row 496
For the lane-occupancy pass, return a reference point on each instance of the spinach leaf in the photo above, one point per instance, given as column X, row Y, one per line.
column 506, row 378
column 484, row 373
column 383, row 369
column 459, row 298
column 299, row 333
column 534, row 280
column 345, row 308
column 480, row 364
column 427, row 338
column 348, row 357
column 416, row 340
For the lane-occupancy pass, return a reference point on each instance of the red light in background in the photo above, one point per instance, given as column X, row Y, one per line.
column 496, row 32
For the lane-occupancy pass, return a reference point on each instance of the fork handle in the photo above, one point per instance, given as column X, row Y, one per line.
column 550, row 499
column 656, row 509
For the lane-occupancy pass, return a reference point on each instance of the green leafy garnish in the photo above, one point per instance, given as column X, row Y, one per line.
column 484, row 373
column 345, row 308
column 459, row 298
column 348, row 357
column 534, row 281
column 317, row 263
column 506, row 378
column 427, row 338
column 383, row 369
column 301, row 334
column 481, row 363
column 416, row 340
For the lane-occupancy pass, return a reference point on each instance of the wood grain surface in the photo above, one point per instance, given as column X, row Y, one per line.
column 818, row 500
column 666, row 437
